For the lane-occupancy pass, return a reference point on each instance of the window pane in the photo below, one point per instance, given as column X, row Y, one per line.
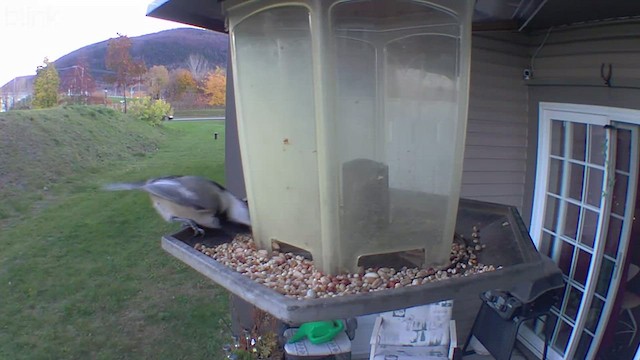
column 582, row 267
column 546, row 244
column 557, row 137
column 571, row 221
column 551, row 214
column 555, row 176
column 575, row 181
column 604, row 277
column 589, row 227
column 542, row 324
column 613, row 237
column 561, row 295
column 579, row 141
column 565, row 258
column 560, row 343
column 623, row 150
column 619, row 200
column 598, row 147
column 594, row 186
column 583, row 346
column 594, row 314
column 551, row 321
column 555, row 248
column 573, row 303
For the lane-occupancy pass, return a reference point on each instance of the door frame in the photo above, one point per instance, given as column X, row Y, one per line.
column 590, row 114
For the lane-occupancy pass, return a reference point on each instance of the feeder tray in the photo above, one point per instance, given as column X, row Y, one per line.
column 508, row 245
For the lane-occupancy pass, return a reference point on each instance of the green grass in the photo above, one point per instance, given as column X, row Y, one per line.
column 42, row 149
column 84, row 277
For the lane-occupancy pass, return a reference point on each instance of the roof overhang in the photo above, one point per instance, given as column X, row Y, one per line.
column 518, row 15
column 206, row 14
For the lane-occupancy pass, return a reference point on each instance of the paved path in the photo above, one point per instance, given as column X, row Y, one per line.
column 206, row 118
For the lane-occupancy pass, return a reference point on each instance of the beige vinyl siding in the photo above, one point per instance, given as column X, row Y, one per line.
column 574, row 55
column 500, row 154
column 567, row 70
column 577, row 53
column 496, row 144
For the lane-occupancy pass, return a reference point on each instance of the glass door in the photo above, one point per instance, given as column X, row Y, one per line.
column 585, row 188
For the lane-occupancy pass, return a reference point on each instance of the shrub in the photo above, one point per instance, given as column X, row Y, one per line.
column 149, row 110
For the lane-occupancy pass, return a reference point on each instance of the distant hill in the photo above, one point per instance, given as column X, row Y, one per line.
column 170, row 48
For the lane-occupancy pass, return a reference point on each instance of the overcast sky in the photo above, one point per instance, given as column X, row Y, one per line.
column 31, row 30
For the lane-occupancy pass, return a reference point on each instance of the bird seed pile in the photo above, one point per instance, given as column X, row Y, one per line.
column 294, row 276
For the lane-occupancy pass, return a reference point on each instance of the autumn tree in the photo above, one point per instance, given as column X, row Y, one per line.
column 182, row 82
column 45, row 87
column 77, row 81
column 126, row 70
column 215, row 87
column 157, row 80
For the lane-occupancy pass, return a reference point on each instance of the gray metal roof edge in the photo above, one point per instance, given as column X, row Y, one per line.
column 153, row 6
column 184, row 14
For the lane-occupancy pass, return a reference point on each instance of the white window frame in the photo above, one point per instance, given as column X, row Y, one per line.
column 595, row 115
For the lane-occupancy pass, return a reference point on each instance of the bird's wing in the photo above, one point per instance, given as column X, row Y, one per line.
column 188, row 191
column 213, row 195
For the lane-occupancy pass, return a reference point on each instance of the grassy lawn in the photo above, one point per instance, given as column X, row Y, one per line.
column 84, row 277
column 42, row 150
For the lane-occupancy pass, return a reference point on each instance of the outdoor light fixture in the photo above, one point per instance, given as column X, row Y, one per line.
column 351, row 119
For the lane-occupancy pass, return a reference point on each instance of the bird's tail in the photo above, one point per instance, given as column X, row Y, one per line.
column 123, row 186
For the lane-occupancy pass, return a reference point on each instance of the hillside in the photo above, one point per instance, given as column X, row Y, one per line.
column 43, row 148
column 84, row 276
column 170, row 48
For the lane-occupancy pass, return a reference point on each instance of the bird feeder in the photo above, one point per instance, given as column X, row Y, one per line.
column 351, row 121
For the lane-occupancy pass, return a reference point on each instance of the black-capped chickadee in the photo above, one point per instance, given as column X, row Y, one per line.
column 192, row 200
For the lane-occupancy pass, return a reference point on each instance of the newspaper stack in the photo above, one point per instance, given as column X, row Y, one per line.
column 423, row 332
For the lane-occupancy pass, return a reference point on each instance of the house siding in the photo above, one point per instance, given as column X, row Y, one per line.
column 495, row 159
column 567, row 70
